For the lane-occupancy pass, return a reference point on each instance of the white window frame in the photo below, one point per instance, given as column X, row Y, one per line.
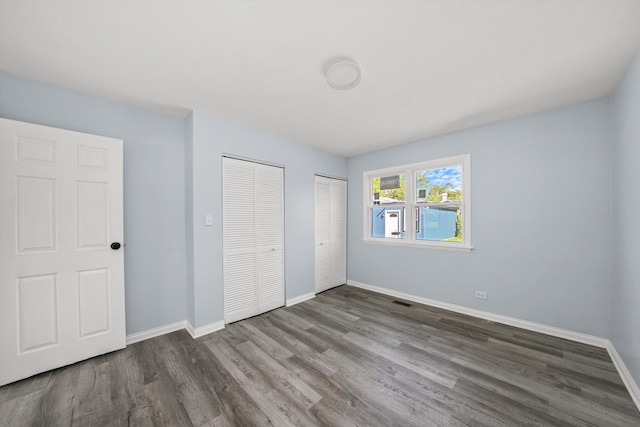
column 411, row 203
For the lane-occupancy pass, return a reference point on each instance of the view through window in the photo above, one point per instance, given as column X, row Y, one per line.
column 423, row 203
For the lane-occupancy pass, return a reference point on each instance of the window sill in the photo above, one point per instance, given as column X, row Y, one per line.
column 434, row 245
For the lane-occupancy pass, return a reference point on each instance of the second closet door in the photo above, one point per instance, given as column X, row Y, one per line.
column 330, row 233
column 253, row 236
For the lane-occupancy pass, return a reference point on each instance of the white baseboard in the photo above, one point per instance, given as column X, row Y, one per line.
column 628, row 380
column 204, row 330
column 624, row 373
column 172, row 327
column 498, row 318
column 299, row 299
column 156, row 332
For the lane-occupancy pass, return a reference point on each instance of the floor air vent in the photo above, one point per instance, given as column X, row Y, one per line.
column 406, row 304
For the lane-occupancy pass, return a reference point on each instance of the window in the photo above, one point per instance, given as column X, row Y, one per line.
column 422, row 204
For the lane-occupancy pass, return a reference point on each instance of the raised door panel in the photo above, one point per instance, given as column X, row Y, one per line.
column 35, row 151
column 37, row 312
column 93, row 214
column 92, row 157
column 93, row 302
column 36, row 214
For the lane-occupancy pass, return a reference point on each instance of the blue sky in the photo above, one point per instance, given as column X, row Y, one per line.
column 441, row 176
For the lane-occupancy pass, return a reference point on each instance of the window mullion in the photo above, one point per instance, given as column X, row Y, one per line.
column 367, row 203
column 409, row 200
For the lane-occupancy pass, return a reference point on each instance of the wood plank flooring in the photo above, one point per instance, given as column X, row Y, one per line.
column 348, row 357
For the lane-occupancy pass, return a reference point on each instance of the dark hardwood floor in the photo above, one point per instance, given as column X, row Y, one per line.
column 348, row 357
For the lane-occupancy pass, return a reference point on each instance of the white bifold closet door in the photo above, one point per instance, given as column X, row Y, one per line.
column 253, row 238
column 330, row 233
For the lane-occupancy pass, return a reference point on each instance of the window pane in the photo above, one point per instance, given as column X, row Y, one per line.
column 387, row 222
column 439, row 185
column 439, row 223
column 388, row 189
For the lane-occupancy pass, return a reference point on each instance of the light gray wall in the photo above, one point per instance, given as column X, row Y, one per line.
column 541, row 221
column 213, row 137
column 625, row 318
column 154, row 221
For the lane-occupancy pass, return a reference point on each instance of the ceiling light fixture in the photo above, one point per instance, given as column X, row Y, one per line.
column 342, row 73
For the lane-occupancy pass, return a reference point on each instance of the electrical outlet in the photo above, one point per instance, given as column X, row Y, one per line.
column 481, row 294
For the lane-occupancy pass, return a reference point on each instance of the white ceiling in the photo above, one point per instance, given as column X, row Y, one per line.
column 428, row 67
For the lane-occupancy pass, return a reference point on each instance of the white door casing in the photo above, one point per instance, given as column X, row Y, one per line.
column 330, row 233
column 253, row 238
column 61, row 284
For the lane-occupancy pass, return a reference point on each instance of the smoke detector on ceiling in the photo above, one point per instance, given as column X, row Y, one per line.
column 342, row 73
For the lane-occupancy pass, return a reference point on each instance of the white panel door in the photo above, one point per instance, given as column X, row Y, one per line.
column 330, row 233
column 61, row 283
column 253, row 238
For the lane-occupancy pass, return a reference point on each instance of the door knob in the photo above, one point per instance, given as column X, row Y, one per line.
column 115, row 246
